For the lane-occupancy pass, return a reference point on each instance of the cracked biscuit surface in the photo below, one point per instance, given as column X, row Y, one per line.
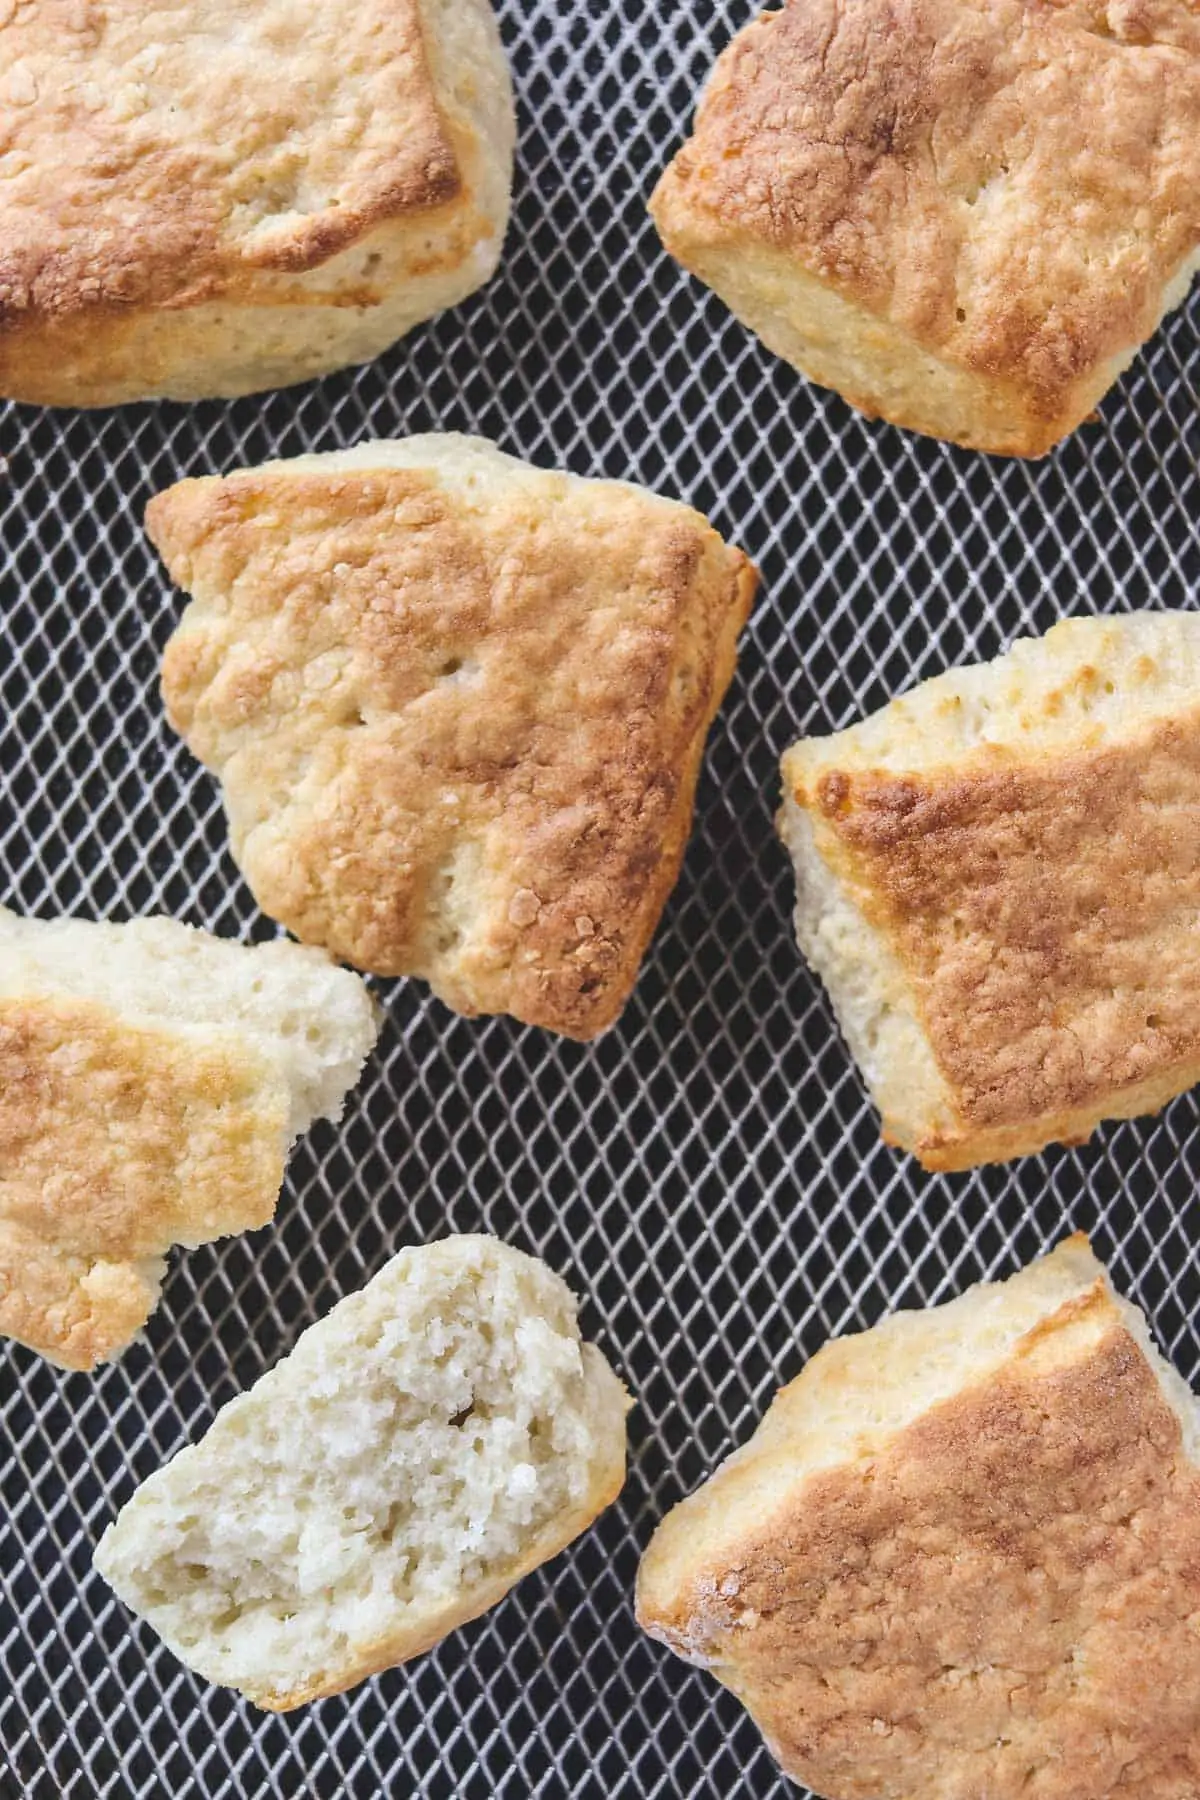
column 457, row 706
column 152, row 1079
column 215, row 199
column 998, row 880
column 960, row 1556
column 963, row 215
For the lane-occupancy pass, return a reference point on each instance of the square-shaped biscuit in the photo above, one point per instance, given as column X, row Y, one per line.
column 998, row 880
column 457, row 706
column 960, row 1557
column 217, row 197
column 963, row 215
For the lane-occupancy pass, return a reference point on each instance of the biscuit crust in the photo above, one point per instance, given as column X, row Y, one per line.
column 152, row 1078
column 116, row 1142
column 238, row 198
column 963, row 215
column 1031, row 909
column 998, row 1599
column 458, row 708
column 1031, row 887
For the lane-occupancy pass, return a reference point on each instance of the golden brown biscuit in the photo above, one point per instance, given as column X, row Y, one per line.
column 998, row 879
column 220, row 198
column 152, row 1079
column 960, row 1557
column 963, row 215
column 458, row 707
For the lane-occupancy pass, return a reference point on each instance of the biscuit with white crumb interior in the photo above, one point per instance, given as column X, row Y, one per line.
column 434, row 1438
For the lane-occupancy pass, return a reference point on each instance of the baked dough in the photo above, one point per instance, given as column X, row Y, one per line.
column 432, row 1440
column 457, row 706
column 219, row 198
column 963, row 215
column 152, row 1079
column 960, row 1557
column 998, row 880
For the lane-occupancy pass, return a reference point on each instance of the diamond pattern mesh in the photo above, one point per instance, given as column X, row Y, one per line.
column 708, row 1176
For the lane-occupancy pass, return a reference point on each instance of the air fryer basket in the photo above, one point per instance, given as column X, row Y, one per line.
column 709, row 1175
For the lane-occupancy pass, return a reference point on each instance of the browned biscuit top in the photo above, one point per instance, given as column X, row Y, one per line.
column 163, row 157
column 1045, row 914
column 458, row 731
column 1015, row 183
column 1002, row 1601
column 117, row 1141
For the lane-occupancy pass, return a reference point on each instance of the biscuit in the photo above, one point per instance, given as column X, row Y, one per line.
column 220, row 198
column 960, row 1556
column 457, row 706
column 964, row 216
column 998, row 880
column 152, row 1079
column 430, row 1441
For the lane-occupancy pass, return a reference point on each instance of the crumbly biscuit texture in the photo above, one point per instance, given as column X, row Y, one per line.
column 152, row 1079
column 432, row 1440
column 998, row 879
column 457, row 706
column 228, row 198
column 963, row 215
column 960, row 1556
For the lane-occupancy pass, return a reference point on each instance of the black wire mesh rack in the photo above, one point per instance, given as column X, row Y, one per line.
column 709, row 1175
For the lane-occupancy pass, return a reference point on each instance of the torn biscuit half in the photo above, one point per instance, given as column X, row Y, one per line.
column 152, row 1081
column 427, row 1443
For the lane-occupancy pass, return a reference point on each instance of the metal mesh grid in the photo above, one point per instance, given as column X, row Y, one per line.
column 709, row 1175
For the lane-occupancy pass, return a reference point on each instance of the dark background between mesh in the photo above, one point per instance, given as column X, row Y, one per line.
column 709, row 1176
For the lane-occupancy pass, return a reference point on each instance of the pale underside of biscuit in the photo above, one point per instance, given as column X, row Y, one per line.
column 224, row 198
column 963, row 215
column 433, row 1439
column 457, row 706
column 152, row 1079
column 998, row 880
column 960, row 1556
